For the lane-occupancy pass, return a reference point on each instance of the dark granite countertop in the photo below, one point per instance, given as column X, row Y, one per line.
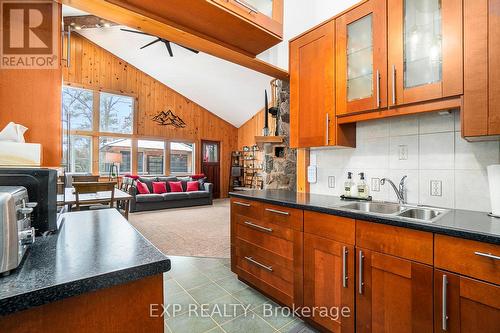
column 458, row 223
column 92, row 250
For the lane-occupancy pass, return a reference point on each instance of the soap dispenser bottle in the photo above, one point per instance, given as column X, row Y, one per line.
column 362, row 186
column 349, row 189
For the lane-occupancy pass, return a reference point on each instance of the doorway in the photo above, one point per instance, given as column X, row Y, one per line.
column 210, row 164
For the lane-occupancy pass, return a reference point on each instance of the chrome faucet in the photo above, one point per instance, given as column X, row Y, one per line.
column 401, row 192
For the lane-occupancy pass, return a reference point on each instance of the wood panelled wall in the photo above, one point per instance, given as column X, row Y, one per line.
column 32, row 97
column 253, row 127
column 92, row 67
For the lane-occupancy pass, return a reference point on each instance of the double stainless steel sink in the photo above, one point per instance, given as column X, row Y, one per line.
column 417, row 213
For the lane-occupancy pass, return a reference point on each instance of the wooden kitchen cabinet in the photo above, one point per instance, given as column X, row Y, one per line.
column 329, row 281
column 312, row 91
column 463, row 305
column 425, row 50
column 481, row 101
column 267, row 14
column 392, row 294
column 361, row 58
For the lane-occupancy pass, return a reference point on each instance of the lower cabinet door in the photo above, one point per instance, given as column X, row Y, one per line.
column 392, row 294
column 465, row 305
column 329, row 283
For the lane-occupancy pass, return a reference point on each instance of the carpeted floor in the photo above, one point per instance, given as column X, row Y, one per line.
column 196, row 231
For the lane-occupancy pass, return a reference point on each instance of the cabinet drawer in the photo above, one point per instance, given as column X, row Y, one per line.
column 264, row 227
column 466, row 257
column 288, row 217
column 266, row 271
column 400, row 242
column 272, row 243
column 246, row 208
column 337, row 228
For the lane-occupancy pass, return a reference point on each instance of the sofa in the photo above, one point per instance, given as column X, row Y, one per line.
column 152, row 201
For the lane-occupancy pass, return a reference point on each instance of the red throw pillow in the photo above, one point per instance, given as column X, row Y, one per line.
column 159, row 187
column 175, row 186
column 196, row 177
column 142, row 188
column 134, row 177
column 192, row 186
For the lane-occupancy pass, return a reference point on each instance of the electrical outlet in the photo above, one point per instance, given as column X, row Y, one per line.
column 376, row 184
column 331, row 181
column 403, row 152
column 436, row 188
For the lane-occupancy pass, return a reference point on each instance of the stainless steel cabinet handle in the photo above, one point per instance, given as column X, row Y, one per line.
column 327, row 128
column 360, row 285
column 258, row 226
column 344, row 266
column 444, row 310
column 244, row 204
column 68, row 45
column 247, row 6
column 277, row 211
column 394, row 84
column 487, row 255
column 378, row 88
column 255, row 262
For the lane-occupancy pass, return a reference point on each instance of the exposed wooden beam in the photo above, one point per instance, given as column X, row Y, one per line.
column 87, row 21
column 120, row 15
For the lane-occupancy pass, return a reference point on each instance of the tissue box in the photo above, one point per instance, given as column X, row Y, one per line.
column 20, row 154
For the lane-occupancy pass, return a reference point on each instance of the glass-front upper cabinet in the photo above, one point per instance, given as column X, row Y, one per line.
column 361, row 69
column 425, row 50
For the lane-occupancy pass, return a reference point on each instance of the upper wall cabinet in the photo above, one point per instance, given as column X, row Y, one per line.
column 424, row 50
column 248, row 26
column 361, row 58
column 312, row 91
column 481, row 106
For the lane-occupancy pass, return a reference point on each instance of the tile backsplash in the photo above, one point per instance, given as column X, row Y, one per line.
column 442, row 168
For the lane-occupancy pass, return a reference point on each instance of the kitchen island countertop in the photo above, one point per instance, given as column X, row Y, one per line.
column 92, row 250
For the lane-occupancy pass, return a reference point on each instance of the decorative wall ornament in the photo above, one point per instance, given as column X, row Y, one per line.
column 169, row 119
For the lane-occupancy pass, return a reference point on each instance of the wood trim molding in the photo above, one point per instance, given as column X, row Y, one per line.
column 120, row 15
column 302, row 164
column 443, row 104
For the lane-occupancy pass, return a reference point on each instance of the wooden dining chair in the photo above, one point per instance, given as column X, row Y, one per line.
column 82, row 179
column 94, row 187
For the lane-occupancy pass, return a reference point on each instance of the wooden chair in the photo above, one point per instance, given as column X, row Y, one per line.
column 82, row 179
column 94, row 187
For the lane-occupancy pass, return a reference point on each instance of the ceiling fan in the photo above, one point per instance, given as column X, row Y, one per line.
column 159, row 39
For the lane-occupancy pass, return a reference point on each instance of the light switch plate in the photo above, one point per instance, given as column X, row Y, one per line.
column 403, row 152
column 436, row 188
column 331, row 181
column 311, row 174
column 376, row 184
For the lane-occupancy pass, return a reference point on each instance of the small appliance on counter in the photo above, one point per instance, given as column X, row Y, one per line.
column 16, row 232
column 41, row 184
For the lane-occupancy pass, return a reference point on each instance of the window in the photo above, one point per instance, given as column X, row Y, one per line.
column 210, row 152
column 80, row 155
column 116, row 113
column 115, row 151
column 181, row 158
column 150, row 157
column 77, row 109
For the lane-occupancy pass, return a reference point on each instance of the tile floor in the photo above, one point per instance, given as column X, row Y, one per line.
column 203, row 295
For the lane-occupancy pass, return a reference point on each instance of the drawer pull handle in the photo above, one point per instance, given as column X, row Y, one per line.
column 344, row 266
column 487, row 255
column 244, row 204
column 277, row 211
column 258, row 226
column 255, row 262
column 252, row 9
column 444, row 306
column 361, row 283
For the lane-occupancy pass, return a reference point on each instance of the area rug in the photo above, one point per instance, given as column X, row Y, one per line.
column 196, row 231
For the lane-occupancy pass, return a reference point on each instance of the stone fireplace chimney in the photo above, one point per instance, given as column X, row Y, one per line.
column 280, row 161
